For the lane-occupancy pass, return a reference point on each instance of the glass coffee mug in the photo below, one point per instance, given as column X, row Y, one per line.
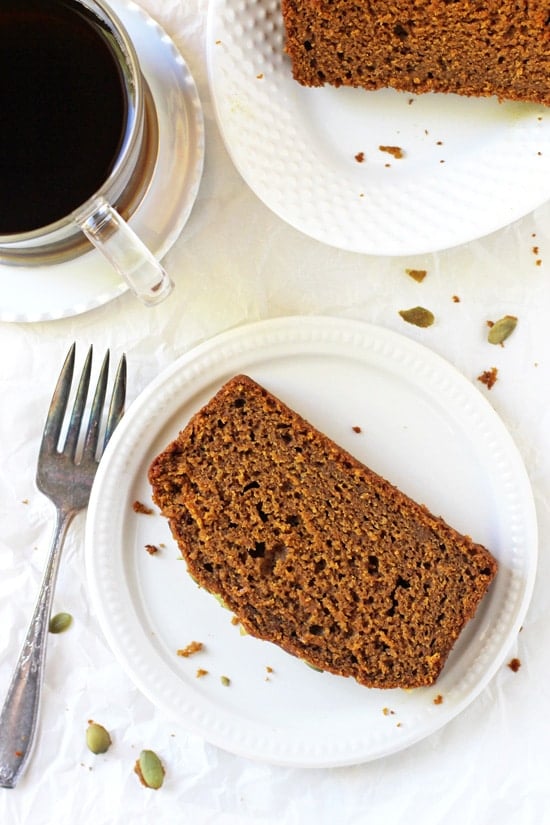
column 78, row 142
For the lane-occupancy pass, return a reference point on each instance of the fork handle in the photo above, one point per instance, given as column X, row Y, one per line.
column 19, row 717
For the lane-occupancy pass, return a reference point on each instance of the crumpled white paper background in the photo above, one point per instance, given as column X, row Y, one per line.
column 236, row 262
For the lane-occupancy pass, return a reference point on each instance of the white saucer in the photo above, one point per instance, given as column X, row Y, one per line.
column 76, row 286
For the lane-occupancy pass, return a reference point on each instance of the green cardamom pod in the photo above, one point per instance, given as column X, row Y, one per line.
column 419, row 316
column 501, row 329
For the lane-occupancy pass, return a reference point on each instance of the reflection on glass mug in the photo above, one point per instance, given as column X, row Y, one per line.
column 79, row 139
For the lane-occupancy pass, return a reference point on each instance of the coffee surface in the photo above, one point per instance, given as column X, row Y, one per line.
column 63, row 111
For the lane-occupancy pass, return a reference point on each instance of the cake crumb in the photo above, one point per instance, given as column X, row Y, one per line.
column 514, row 664
column 192, row 647
column 536, row 251
column 360, row 157
column 201, row 672
column 488, row 377
column 357, row 429
column 139, row 507
column 225, row 680
column 417, row 275
column 388, row 712
column 394, row 151
column 438, row 700
column 456, row 299
column 151, row 549
column 260, row 76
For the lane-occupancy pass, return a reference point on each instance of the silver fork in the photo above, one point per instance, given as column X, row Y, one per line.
column 65, row 476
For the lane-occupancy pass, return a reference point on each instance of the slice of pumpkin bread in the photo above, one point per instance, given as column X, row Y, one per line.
column 311, row 549
column 495, row 47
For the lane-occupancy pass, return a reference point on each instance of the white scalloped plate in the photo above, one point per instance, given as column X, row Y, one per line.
column 70, row 288
column 423, row 426
column 470, row 166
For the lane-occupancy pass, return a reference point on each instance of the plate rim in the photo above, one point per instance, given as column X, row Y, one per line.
column 303, row 327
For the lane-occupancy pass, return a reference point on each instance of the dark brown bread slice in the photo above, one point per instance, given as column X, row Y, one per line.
column 311, row 549
column 495, row 47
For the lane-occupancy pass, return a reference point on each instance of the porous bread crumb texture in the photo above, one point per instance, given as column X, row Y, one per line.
column 311, row 549
column 494, row 47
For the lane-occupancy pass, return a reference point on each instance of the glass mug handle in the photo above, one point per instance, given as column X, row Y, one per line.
column 112, row 236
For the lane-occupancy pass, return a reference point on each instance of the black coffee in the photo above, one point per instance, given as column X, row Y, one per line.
column 62, row 109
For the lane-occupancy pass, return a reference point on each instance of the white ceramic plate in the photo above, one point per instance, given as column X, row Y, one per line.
column 469, row 166
column 423, row 426
column 57, row 291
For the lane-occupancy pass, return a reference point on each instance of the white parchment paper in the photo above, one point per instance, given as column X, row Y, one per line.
column 235, row 262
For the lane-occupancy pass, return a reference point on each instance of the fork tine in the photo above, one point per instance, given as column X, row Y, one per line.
column 58, row 405
column 73, row 431
column 118, row 398
column 92, row 433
